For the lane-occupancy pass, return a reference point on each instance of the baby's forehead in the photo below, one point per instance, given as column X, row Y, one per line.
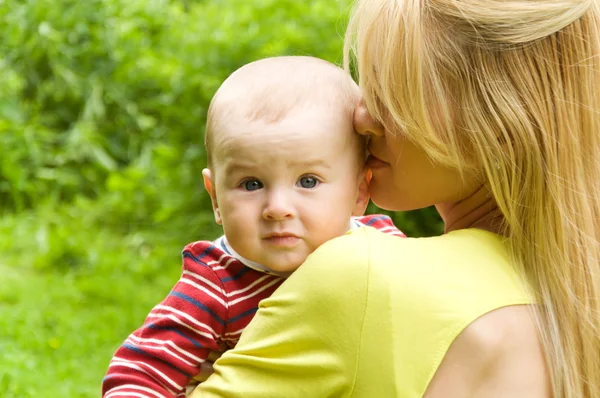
column 308, row 123
column 272, row 139
column 313, row 136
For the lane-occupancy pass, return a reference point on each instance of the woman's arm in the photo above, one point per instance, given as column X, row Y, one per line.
column 498, row 355
column 304, row 340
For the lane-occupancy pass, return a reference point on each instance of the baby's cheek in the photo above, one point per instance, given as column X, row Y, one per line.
column 329, row 229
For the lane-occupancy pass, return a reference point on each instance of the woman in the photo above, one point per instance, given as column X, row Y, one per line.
column 490, row 110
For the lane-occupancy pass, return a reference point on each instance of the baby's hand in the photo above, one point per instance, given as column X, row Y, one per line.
column 206, row 369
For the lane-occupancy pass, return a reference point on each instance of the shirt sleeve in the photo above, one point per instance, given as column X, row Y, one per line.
column 305, row 339
column 160, row 358
column 380, row 222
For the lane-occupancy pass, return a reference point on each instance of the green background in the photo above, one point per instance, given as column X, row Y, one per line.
column 102, row 112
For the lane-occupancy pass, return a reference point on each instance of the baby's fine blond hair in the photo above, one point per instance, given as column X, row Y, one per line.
column 271, row 88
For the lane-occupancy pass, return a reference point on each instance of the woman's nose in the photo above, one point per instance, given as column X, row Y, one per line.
column 364, row 123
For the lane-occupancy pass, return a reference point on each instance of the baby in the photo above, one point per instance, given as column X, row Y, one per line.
column 286, row 173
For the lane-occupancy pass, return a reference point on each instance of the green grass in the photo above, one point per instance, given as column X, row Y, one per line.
column 70, row 293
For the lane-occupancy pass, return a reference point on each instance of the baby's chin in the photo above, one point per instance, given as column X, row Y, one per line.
column 285, row 265
column 284, row 268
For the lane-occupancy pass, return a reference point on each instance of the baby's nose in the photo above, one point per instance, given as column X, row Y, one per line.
column 278, row 207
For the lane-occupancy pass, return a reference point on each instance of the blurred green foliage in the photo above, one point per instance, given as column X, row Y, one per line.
column 102, row 112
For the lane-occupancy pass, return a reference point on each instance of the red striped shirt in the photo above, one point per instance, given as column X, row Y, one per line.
column 207, row 310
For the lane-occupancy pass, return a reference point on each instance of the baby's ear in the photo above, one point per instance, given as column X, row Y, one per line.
column 362, row 194
column 210, row 188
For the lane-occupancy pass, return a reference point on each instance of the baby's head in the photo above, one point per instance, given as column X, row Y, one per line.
column 285, row 166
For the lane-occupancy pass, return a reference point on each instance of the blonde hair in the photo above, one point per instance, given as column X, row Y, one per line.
column 511, row 88
column 271, row 88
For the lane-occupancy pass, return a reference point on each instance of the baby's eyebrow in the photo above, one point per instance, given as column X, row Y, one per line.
column 235, row 167
column 309, row 163
column 240, row 167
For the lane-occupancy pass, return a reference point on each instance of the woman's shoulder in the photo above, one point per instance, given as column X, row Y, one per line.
column 461, row 245
column 465, row 256
column 459, row 276
column 430, row 290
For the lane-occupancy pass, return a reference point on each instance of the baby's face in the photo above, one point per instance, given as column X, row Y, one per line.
column 281, row 190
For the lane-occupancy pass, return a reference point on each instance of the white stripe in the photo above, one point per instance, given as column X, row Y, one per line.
column 256, row 282
column 111, row 393
column 117, row 361
column 205, row 290
column 218, row 261
column 127, row 394
column 232, row 339
column 237, row 332
column 268, row 285
column 227, row 264
column 188, row 317
column 204, row 280
column 180, row 322
column 141, row 341
column 160, row 347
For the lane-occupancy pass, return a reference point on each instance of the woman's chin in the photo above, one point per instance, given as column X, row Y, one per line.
column 384, row 197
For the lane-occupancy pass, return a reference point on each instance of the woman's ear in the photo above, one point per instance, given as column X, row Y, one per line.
column 362, row 194
column 208, row 184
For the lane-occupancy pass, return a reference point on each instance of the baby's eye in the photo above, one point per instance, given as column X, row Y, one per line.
column 252, row 185
column 308, row 182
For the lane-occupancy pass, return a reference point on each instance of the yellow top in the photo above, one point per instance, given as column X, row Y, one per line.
column 368, row 315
